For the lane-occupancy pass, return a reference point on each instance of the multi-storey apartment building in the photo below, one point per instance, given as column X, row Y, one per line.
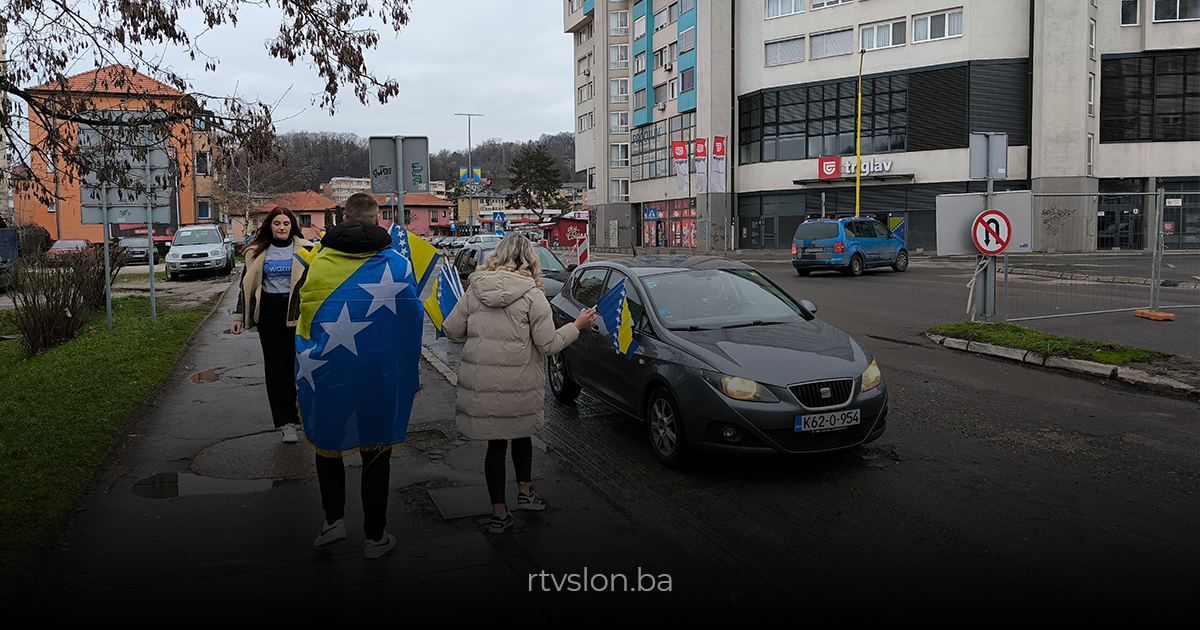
column 340, row 189
column 1094, row 95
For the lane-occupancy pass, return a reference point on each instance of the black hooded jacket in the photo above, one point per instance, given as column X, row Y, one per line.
column 351, row 237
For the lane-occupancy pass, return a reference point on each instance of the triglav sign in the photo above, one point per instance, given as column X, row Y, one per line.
column 827, row 167
column 868, row 166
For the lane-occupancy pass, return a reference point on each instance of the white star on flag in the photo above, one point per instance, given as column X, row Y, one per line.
column 341, row 332
column 384, row 293
column 307, row 365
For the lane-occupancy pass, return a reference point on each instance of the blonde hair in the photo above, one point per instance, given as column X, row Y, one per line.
column 515, row 253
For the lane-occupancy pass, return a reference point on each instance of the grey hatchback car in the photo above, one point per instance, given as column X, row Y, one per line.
column 727, row 361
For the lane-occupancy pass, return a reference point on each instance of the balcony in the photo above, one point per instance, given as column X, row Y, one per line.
column 618, row 31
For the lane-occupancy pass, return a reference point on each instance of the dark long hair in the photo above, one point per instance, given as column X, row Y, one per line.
column 263, row 237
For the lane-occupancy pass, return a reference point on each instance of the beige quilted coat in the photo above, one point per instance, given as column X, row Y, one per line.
column 506, row 321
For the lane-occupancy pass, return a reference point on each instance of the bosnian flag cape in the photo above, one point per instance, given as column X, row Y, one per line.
column 358, row 350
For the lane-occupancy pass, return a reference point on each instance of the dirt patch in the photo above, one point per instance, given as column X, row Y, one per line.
column 416, row 499
column 1175, row 367
column 426, row 440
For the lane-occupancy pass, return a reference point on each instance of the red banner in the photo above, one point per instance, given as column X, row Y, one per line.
column 701, row 165
column 680, row 154
column 718, row 164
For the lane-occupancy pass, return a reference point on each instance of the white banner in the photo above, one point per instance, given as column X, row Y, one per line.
column 718, row 164
column 679, row 152
column 701, row 165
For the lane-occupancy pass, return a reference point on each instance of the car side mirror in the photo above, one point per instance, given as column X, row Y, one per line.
column 809, row 306
column 572, row 267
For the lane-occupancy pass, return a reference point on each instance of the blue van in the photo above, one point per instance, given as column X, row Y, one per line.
column 846, row 245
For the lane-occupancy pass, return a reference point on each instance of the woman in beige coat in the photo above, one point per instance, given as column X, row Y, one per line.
column 506, row 320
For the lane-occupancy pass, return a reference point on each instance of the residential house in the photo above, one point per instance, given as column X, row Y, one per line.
column 308, row 206
column 425, row 215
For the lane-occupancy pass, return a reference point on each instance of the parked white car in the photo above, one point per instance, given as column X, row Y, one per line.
column 200, row 248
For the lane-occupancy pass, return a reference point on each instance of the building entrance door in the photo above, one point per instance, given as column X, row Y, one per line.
column 768, row 232
column 1120, row 221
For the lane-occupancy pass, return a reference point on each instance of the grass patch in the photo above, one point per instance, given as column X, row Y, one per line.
column 1014, row 336
column 7, row 327
column 125, row 278
column 60, row 411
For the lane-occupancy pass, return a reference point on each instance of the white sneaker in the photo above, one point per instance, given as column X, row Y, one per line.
column 289, row 434
column 376, row 548
column 331, row 533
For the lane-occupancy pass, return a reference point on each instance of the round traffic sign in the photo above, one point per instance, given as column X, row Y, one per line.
column 991, row 232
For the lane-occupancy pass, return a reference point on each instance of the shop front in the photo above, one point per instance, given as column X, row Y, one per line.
column 669, row 224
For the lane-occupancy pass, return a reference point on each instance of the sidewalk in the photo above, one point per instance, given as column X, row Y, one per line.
column 233, row 530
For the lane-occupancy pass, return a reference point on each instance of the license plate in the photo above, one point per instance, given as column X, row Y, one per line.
column 819, row 422
column 814, row 250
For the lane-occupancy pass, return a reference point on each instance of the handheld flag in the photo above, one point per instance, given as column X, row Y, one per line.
column 358, row 347
column 421, row 255
column 613, row 308
column 447, row 291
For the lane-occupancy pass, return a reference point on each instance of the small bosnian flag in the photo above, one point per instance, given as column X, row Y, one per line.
column 447, row 291
column 613, row 309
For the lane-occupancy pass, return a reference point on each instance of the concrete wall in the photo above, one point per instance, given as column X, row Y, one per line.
column 1068, row 223
column 1148, row 159
column 1060, row 82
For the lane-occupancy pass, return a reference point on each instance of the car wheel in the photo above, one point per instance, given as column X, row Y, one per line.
column 228, row 269
column 901, row 261
column 803, row 272
column 172, row 276
column 855, row 268
column 564, row 388
column 664, row 423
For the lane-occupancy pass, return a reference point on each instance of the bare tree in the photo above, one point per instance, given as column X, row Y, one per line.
column 49, row 41
column 249, row 183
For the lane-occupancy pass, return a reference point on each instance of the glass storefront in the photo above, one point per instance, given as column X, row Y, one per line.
column 669, row 223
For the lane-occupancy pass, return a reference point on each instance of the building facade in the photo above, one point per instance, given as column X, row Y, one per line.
column 339, row 189
column 1094, row 96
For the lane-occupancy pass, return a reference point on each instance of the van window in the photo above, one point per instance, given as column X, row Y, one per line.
column 813, row 231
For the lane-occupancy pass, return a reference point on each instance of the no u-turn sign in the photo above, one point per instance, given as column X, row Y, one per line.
column 991, row 232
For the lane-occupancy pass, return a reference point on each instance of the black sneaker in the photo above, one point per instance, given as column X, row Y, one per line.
column 530, row 501
column 498, row 524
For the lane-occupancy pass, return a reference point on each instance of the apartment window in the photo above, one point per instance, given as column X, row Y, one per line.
column 674, row 83
column 1150, row 98
column 687, row 40
column 1091, row 94
column 639, row 63
column 618, row 90
column 819, row 4
column 1092, row 39
column 650, row 147
column 832, row 43
column 639, row 28
column 203, row 209
column 687, row 80
column 618, row 57
column 591, row 178
column 639, row 99
column 673, row 13
column 618, row 190
column 785, row 51
column 780, row 8
column 1170, row 10
column 938, row 26
column 575, row 5
column 585, row 33
column 660, row 20
column 582, row 66
column 585, row 92
column 202, row 158
column 1129, row 12
column 688, row 5
column 583, row 123
column 618, row 155
column 618, row 22
column 660, row 57
column 875, row 36
column 618, row 122
column 660, row 93
column 1091, row 152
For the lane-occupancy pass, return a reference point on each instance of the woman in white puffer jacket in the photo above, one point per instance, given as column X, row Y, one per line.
column 505, row 317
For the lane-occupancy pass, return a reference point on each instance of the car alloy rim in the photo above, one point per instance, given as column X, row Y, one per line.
column 556, row 375
column 662, row 427
column 857, row 265
column 903, row 262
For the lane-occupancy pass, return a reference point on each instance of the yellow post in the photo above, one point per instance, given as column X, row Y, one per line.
column 858, row 138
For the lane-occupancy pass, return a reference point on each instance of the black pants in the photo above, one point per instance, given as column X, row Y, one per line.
column 279, row 358
column 376, row 468
column 493, row 465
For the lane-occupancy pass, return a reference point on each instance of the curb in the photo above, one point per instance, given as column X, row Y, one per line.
column 1128, row 375
column 439, row 365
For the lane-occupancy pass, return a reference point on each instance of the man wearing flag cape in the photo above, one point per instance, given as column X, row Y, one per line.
column 358, row 348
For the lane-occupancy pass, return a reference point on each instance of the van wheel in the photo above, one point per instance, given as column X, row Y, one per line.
column 803, row 272
column 901, row 261
column 855, row 268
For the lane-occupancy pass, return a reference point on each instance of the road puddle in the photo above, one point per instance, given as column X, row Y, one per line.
column 172, row 485
column 207, row 376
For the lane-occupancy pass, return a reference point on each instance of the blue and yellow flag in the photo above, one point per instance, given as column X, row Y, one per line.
column 358, row 347
column 421, row 254
column 613, row 308
column 447, row 291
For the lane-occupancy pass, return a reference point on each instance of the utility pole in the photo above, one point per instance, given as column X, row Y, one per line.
column 470, row 169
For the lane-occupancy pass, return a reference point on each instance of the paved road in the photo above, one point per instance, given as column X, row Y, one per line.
column 994, row 481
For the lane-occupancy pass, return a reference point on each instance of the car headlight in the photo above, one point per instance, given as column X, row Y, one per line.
column 739, row 388
column 872, row 377
column 217, row 253
column 174, row 256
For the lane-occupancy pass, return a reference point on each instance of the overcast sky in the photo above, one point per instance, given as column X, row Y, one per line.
column 506, row 59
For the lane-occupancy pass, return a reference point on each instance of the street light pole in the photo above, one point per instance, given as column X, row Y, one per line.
column 470, row 166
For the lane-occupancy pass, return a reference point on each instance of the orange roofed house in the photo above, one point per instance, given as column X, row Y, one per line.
column 308, row 206
column 198, row 196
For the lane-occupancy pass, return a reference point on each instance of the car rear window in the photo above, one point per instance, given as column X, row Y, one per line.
column 813, row 231
column 69, row 245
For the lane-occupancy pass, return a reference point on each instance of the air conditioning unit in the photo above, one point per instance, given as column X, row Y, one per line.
column 587, row 72
column 668, row 66
column 662, row 107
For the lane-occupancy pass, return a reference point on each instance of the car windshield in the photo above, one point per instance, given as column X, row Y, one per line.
column 550, row 264
column 69, row 245
column 813, row 231
column 714, row 298
column 133, row 242
column 197, row 237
